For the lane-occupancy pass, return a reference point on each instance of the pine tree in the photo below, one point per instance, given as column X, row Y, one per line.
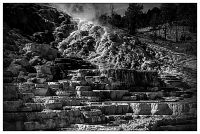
column 132, row 14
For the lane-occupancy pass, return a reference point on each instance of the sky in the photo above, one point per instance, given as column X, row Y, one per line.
column 90, row 9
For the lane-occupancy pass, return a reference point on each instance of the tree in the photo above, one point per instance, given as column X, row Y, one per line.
column 188, row 12
column 168, row 14
column 154, row 22
column 116, row 20
column 103, row 19
column 132, row 14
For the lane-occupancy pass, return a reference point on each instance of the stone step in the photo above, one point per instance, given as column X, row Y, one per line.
column 45, row 85
column 40, row 91
column 133, row 77
column 78, row 78
column 48, row 124
column 98, row 86
column 169, row 89
column 86, row 93
column 188, row 127
column 92, row 112
column 64, row 100
column 46, row 114
column 176, row 83
column 8, row 79
column 96, row 79
column 129, row 98
column 36, row 106
column 65, row 93
column 26, row 87
column 162, row 108
column 183, row 94
column 88, row 72
column 65, row 85
column 26, row 96
column 12, row 106
column 83, row 88
column 94, row 119
column 173, row 99
column 143, row 89
column 112, row 94
column 25, row 109
column 170, row 76
column 109, row 109
column 148, row 95
column 10, row 92
column 147, row 107
column 175, row 121
column 53, row 105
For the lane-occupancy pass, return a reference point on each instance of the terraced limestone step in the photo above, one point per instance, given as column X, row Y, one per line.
column 176, row 83
column 10, row 92
column 188, row 123
column 93, row 116
column 12, row 106
column 45, row 120
column 59, row 100
column 163, row 108
column 147, row 107
column 83, row 88
column 109, row 109
column 112, row 94
column 188, row 127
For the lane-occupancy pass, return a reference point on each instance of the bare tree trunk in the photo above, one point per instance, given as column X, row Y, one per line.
column 176, row 31
column 165, row 32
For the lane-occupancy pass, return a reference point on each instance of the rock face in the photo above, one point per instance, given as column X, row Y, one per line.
column 141, row 108
column 161, row 109
column 43, row 50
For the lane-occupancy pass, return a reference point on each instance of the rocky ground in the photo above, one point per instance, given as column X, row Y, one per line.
column 80, row 75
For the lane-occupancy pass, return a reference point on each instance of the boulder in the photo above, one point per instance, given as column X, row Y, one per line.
column 42, row 49
column 23, row 62
column 35, row 61
column 15, row 68
column 45, row 69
